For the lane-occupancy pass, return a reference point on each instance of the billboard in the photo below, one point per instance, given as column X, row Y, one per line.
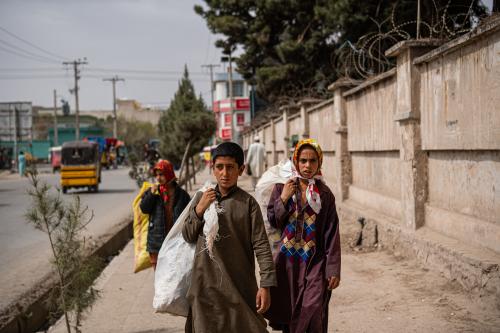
column 16, row 121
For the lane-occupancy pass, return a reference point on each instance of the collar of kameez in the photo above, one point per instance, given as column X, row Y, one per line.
column 230, row 192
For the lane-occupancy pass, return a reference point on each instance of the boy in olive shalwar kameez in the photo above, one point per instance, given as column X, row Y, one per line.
column 223, row 295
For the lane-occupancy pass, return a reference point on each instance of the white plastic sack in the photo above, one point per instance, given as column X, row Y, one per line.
column 174, row 266
column 277, row 174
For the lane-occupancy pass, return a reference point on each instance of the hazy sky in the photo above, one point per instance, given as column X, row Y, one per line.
column 147, row 42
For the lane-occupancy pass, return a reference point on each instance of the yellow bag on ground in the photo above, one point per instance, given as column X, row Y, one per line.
column 141, row 256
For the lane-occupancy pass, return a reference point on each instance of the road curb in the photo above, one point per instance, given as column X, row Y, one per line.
column 28, row 313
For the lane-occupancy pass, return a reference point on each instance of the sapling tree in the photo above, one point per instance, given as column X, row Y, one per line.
column 63, row 222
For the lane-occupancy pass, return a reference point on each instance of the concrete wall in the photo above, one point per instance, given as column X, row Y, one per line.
column 416, row 151
column 321, row 126
column 376, row 181
column 373, row 142
column 464, row 200
column 460, row 127
column 370, row 116
column 281, row 143
column 295, row 125
column 460, row 98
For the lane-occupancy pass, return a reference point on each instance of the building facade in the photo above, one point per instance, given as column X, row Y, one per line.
column 131, row 109
column 239, row 113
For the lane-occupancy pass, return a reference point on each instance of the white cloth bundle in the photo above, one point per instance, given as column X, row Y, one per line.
column 175, row 263
column 277, row 174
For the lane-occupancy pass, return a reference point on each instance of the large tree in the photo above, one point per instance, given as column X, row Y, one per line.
column 291, row 48
column 187, row 120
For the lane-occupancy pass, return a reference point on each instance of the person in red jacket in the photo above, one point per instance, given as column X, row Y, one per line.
column 164, row 202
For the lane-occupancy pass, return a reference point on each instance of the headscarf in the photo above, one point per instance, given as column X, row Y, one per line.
column 167, row 169
column 314, row 145
column 312, row 192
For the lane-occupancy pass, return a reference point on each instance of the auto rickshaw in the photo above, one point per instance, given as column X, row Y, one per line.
column 80, row 165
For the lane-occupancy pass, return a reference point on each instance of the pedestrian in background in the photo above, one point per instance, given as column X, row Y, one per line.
column 21, row 163
column 164, row 202
column 308, row 261
column 256, row 160
column 223, row 296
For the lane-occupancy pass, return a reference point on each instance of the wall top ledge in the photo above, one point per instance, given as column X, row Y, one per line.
column 343, row 82
column 490, row 26
column 290, row 108
column 395, row 50
column 309, row 101
column 381, row 77
column 319, row 105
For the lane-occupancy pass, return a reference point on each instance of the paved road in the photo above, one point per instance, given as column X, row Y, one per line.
column 25, row 251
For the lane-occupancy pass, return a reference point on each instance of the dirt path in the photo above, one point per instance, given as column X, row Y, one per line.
column 383, row 293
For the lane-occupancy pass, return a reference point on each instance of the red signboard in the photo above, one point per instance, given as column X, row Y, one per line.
column 227, row 119
column 242, row 104
column 216, row 106
column 240, row 119
column 225, row 133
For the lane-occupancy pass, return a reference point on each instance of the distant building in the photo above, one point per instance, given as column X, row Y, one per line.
column 224, row 114
column 101, row 114
column 131, row 109
column 16, row 121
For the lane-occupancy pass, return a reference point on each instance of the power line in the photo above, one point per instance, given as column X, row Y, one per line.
column 25, row 56
column 32, row 45
column 27, row 52
column 96, row 71
column 32, row 77
column 141, row 71
column 15, row 76
column 145, row 78
column 37, row 69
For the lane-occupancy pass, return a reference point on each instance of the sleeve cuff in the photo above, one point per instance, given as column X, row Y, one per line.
column 268, row 282
column 194, row 217
column 333, row 271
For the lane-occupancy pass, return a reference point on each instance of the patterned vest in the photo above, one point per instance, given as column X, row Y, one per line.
column 299, row 237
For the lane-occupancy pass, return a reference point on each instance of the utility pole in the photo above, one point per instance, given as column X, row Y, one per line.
column 16, row 136
column 231, row 109
column 418, row 20
column 75, row 65
column 113, row 80
column 211, row 67
column 56, row 136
